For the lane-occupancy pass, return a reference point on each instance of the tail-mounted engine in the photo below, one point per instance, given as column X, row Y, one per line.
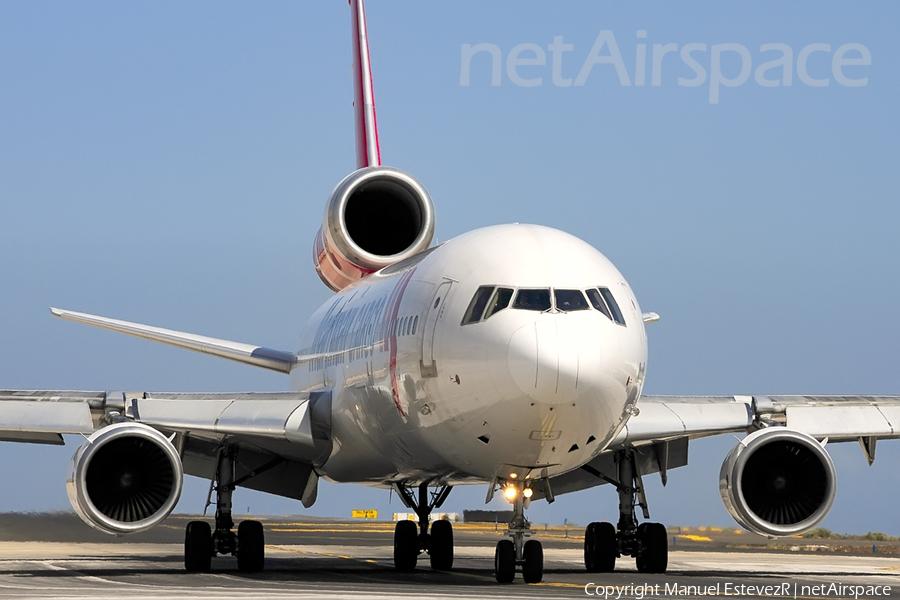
column 375, row 217
column 125, row 478
column 778, row 482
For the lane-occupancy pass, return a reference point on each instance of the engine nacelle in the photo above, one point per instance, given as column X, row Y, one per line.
column 375, row 217
column 778, row 482
column 125, row 478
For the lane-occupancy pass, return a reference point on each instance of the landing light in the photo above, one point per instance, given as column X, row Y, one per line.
column 510, row 493
column 528, row 492
column 513, row 475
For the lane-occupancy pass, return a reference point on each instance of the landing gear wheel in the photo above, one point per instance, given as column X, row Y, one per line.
column 505, row 561
column 600, row 548
column 440, row 545
column 406, row 546
column 251, row 546
column 197, row 547
column 653, row 554
column 533, row 567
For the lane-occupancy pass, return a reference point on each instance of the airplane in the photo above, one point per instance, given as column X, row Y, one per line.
column 512, row 356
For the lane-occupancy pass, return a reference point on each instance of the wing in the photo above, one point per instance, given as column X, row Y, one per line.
column 280, row 437
column 661, row 427
column 257, row 356
column 838, row 418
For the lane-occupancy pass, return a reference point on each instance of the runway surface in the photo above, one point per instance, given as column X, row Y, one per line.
column 55, row 556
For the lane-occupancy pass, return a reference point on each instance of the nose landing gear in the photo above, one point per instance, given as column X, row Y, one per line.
column 647, row 542
column 408, row 544
column 510, row 553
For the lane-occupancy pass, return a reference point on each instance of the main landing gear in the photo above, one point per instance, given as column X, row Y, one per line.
column 647, row 542
column 510, row 553
column 410, row 541
column 201, row 543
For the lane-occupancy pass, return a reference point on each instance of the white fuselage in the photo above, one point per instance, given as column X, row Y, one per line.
column 418, row 396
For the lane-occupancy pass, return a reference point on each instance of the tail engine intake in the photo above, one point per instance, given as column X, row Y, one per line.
column 778, row 482
column 375, row 217
column 125, row 478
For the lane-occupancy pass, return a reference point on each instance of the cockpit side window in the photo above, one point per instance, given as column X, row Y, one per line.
column 597, row 302
column 567, row 300
column 476, row 306
column 499, row 301
column 538, row 300
column 613, row 306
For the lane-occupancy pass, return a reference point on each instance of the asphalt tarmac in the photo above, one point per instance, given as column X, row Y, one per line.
column 57, row 556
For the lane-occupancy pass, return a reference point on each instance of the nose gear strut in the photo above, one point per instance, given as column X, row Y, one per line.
column 518, row 552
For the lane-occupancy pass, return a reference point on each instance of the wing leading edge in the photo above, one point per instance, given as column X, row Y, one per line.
column 838, row 418
column 258, row 356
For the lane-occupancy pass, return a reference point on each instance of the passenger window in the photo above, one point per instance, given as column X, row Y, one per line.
column 570, row 300
column 499, row 301
column 415, row 323
column 611, row 302
column 476, row 306
column 533, row 300
column 598, row 303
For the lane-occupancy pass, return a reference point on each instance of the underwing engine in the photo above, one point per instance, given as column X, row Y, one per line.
column 778, row 482
column 125, row 478
column 375, row 217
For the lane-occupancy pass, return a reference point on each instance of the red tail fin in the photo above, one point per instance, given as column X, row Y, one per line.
column 368, row 154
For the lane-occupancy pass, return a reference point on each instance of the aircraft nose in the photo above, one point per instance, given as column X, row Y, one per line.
column 556, row 360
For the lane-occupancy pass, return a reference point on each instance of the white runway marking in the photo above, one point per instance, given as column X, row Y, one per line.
column 344, row 572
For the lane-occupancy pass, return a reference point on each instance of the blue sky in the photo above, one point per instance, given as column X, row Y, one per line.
column 168, row 163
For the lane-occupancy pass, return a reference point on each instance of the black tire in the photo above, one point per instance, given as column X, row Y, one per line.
column 533, row 567
column 406, row 546
column 600, row 548
column 251, row 547
column 653, row 554
column 440, row 545
column 198, row 549
column 505, row 561
column 639, row 559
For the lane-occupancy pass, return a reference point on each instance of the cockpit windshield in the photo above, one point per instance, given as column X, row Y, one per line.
column 598, row 303
column 602, row 299
column 499, row 301
column 538, row 300
column 613, row 306
column 489, row 300
column 570, row 300
column 476, row 306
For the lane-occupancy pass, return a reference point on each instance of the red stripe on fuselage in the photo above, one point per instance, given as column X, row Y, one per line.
column 393, row 309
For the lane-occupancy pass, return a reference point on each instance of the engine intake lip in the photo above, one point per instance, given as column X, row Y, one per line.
column 789, row 478
column 410, row 211
column 161, row 490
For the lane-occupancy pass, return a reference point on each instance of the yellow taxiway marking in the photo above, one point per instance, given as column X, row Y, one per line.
column 694, row 538
column 368, row 560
